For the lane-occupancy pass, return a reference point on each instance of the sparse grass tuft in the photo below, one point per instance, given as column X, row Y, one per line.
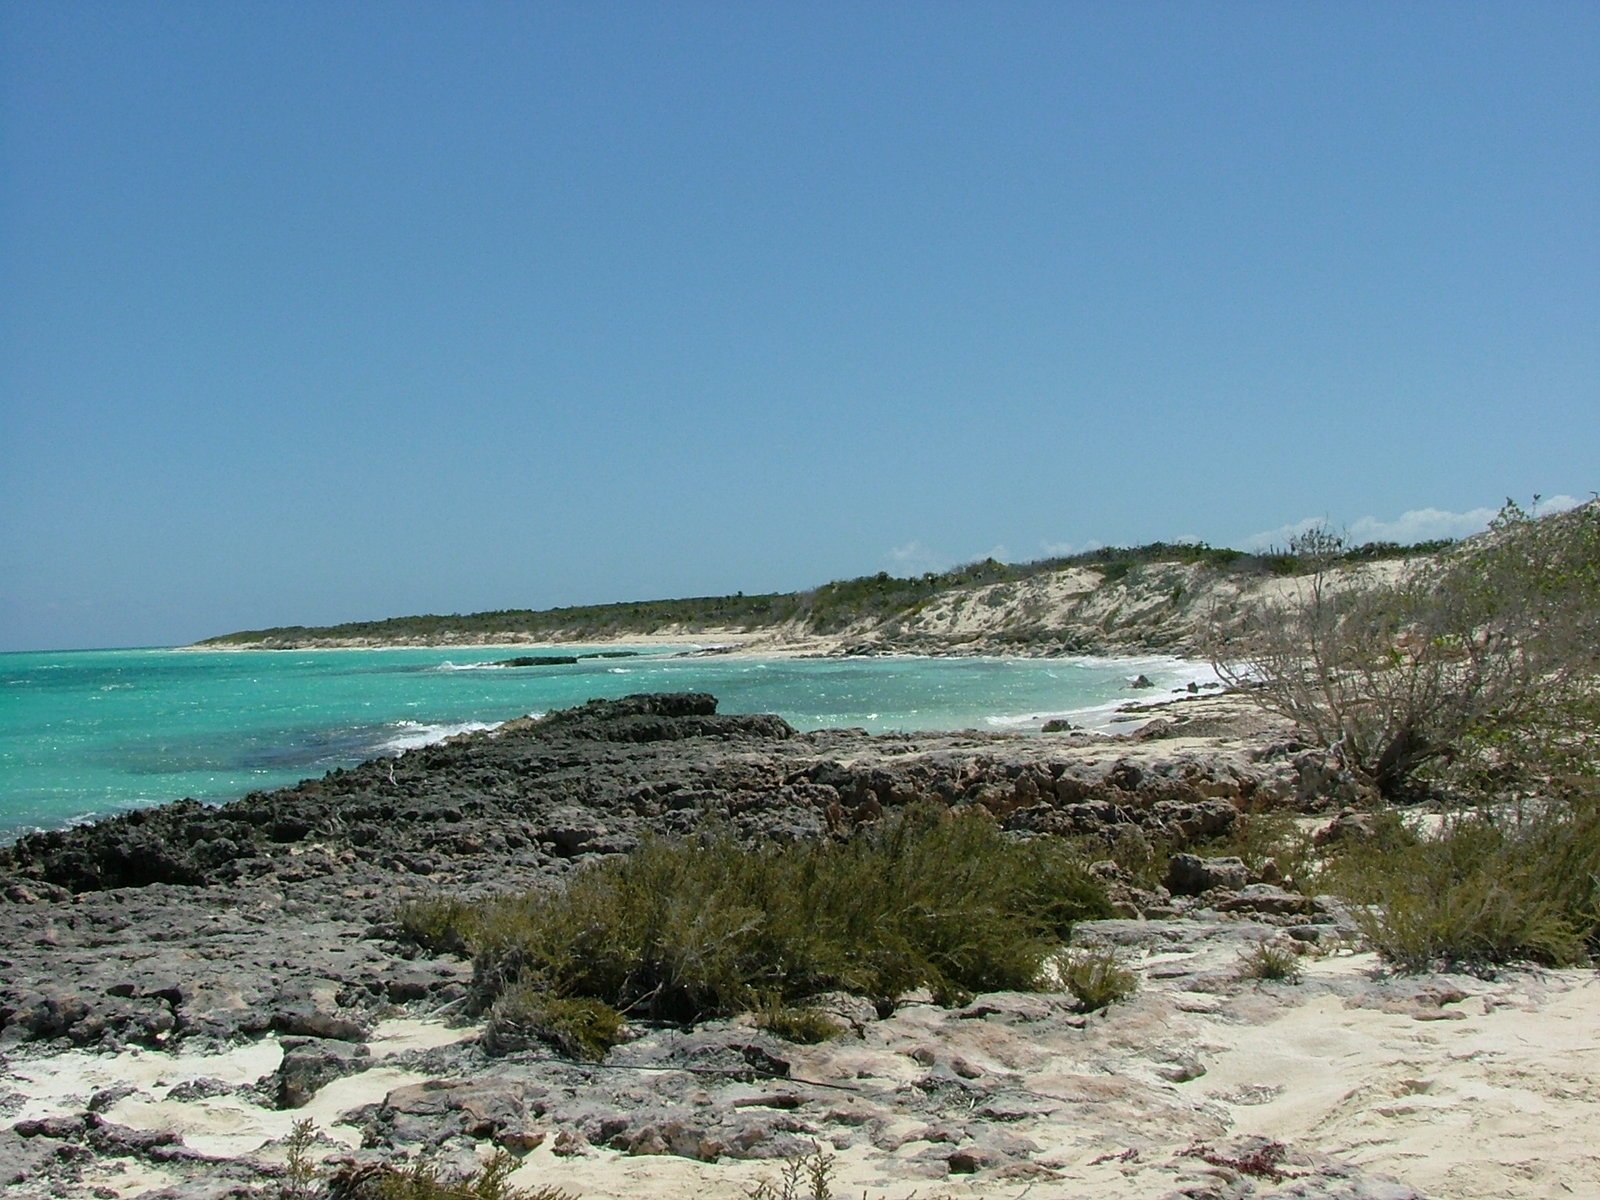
column 299, row 1171
column 1270, row 961
column 1097, row 978
column 803, row 1177
column 422, row 1181
column 804, row 1025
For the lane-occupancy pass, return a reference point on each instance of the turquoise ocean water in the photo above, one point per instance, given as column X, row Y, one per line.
column 90, row 732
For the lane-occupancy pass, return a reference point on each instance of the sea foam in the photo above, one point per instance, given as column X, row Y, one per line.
column 413, row 735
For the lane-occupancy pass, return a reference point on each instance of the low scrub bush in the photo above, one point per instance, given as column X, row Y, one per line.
column 1258, row 834
column 440, row 924
column 1486, row 890
column 1271, row 962
column 1481, row 666
column 582, row 1028
column 1097, row 978
column 685, row 929
column 804, row 1025
column 1141, row 857
column 1261, row 834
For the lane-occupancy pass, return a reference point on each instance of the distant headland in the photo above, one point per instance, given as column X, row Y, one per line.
column 1161, row 597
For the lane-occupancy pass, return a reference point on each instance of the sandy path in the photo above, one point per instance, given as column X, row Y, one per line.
column 1497, row 1094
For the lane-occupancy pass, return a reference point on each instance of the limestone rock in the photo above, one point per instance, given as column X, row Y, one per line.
column 1190, row 875
column 310, row 1062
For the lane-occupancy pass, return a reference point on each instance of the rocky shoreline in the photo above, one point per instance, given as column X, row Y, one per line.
column 179, row 985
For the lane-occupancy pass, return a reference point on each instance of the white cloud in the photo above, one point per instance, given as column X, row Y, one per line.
column 1416, row 525
column 1552, row 504
column 1280, row 537
column 1068, row 549
column 1420, row 525
column 916, row 559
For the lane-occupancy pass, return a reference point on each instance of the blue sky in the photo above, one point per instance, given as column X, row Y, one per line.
column 332, row 311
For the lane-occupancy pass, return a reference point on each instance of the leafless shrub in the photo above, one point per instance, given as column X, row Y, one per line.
column 1486, row 656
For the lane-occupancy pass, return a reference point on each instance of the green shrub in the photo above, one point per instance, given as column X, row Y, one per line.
column 583, row 1028
column 804, row 1025
column 1484, row 891
column 1097, row 978
column 684, row 929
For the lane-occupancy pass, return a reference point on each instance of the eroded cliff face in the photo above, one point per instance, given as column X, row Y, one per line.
column 1161, row 607
column 1184, row 609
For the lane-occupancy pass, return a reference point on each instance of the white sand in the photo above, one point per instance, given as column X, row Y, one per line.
column 1455, row 1086
column 1499, row 1097
column 1494, row 1095
column 223, row 1126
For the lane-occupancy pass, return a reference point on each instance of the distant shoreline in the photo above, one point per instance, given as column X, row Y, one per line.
column 733, row 642
column 1126, row 607
column 504, row 641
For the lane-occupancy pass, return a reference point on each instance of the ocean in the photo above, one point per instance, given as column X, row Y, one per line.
column 91, row 732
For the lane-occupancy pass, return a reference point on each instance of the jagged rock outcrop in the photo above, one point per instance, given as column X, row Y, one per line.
column 286, row 894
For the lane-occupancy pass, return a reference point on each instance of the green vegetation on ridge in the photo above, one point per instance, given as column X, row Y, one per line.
column 825, row 609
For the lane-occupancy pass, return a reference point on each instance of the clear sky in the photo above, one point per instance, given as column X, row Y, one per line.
column 317, row 312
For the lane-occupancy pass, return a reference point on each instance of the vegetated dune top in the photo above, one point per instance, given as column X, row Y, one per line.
column 1163, row 598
